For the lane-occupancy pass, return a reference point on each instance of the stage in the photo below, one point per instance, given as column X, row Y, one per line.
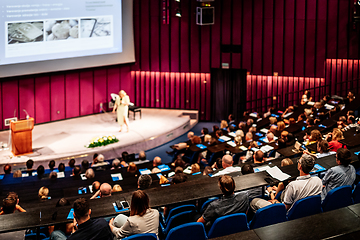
column 62, row 140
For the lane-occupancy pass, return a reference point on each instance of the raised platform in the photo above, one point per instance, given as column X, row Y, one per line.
column 65, row 139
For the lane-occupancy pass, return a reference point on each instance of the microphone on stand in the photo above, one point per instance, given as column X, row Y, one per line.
column 27, row 115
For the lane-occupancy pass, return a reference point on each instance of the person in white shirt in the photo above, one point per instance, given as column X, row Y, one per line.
column 227, row 164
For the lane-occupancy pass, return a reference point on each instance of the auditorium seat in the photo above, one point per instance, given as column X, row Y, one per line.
column 337, row 198
column 176, row 220
column 305, row 207
column 356, row 194
column 206, row 203
column 177, row 210
column 272, row 214
column 143, row 236
column 188, row 231
column 228, row 224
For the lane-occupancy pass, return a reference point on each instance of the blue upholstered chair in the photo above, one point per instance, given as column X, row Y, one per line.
column 188, row 231
column 206, row 203
column 142, row 236
column 305, row 207
column 176, row 210
column 356, row 194
column 337, row 198
column 272, row 214
column 228, row 224
column 176, row 220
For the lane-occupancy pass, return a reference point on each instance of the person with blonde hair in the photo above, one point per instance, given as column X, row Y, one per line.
column 335, row 137
column 272, row 120
column 239, row 134
column 223, row 124
column 17, row 174
column 43, row 193
column 122, row 108
column 195, row 168
column 116, row 188
column 280, row 126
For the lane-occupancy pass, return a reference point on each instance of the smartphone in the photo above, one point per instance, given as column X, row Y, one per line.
column 118, row 204
column 125, row 204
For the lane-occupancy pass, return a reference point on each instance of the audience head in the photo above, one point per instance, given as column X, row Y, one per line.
column 231, row 117
column 9, row 205
column 179, row 162
column 306, row 163
column 100, row 158
column 105, row 190
column 223, row 124
column 179, row 170
column 215, row 128
column 292, row 121
column 17, row 174
column 157, row 161
column 272, row 120
column 52, row 165
column 246, row 169
column 144, row 181
column 351, row 120
column 323, row 146
column 249, row 122
column 337, row 134
column 218, row 162
column 343, row 156
column 85, row 164
column 284, row 135
column 270, row 136
column 259, row 157
column 315, row 135
column 179, row 178
column 29, row 164
column 125, row 156
column 286, row 162
column 62, row 202
column 207, row 138
column 81, row 209
column 253, row 144
column 252, row 130
column 219, row 133
column 43, row 193
column 196, row 140
column 116, row 188
column 242, row 125
column 205, row 131
column 76, row 171
column 61, row 167
column 280, row 126
column 139, row 203
column 227, row 161
column 89, row 174
column 142, row 156
column 72, row 163
column 155, row 170
column 190, row 135
column 53, row 175
column 116, row 163
column 40, row 170
column 301, row 117
column 132, row 168
column 7, row 169
column 195, row 168
column 95, row 186
column 227, row 185
column 248, row 136
column 310, row 121
column 208, row 170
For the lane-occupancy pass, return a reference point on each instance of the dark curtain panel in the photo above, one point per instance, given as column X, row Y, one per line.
column 228, row 93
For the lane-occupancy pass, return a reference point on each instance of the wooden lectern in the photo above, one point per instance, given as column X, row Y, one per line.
column 21, row 135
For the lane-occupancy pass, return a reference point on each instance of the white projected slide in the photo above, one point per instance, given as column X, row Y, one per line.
column 41, row 30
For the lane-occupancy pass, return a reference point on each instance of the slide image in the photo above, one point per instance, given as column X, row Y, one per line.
column 95, row 27
column 61, row 29
column 25, row 32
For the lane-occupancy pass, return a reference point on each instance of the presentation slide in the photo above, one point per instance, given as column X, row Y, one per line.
column 40, row 30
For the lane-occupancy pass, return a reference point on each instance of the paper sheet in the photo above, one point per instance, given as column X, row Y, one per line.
column 231, row 143
column 225, row 138
column 275, row 172
column 232, row 134
column 261, row 169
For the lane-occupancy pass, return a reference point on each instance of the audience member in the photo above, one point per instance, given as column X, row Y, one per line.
column 179, row 170
column 17, row 174
column 248, row 137
column 62, row 202
column 315, row 136
column 179, row 177
column 259, row 158
column 179, row 162
column 340, row 175
column 227, row 164
column 90, row 174
column 53, row 175
column 76, row 172
column 249, row 153
column 156, row 163
column 52, row 165
column 29, row 166
column 86, row 228
column 335, row 137
column 218, row 133
column 11, row 204
column 231, row 119
column 304, row 186
column 142, row 156
column 84, row 165
column 7, row 169
column 323, row 149
column 43, row 193
column 238, row 137
column 61, row 167
column 104, row 191
column 195, row 168
column 132, row 168
column 40, row 171
column 116, row 164
column 99, row 162
column 144, row 181
column 72, row 163
column 229, row 203
column 254, row 192
column 142, row 218
column 217, row 164
column 208, row 170
column 125, row 156
column 351, row 123
column 95, row 186
column 270, row 138
column 286, row 162
column 223, row 125
column 116, row 188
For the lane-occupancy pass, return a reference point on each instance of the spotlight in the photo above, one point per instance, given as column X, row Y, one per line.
column 178, row 13
column 177, row 0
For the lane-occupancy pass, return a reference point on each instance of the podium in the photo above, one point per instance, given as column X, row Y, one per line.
column 21, row 135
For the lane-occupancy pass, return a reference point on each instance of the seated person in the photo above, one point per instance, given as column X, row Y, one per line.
column 259, row 159
column 340, row 175
column 104, row 191
column 11, row 204
column 342, row 122
column 208, row 170
column 142, row 218
column 142, row 156
column 116, row 164
column 44, row 193
column 181, row 146
column 223, row 125
column 29, row 166
column 72, row 163
column 95, row 186
column 248, row 137
column 323, row 149
column 7, row 169
column 86, row 228
column 156, row 162
column 289, row 111
column 351, row 124
column 249, row 153
column 61, row 167
column 229, row 203
column 89, row 174
column 116, row 188
column 286, row 139
column 17, row 174
column 40, row 171
column 335, row 136
column 315, row 136
column 98, row 162
column 274, row 190
column 254, row 192
column 270, row 138
column 302, row 187
column 52, row 165
column 195, row 168
column 84, row 165
column 132, row 168
column 144, row 181
column 227, row 164
column 76, row 172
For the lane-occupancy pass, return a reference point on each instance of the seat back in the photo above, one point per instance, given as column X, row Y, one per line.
column 188, row 231
column 180, row 209
column 143, row 236
column 337, row 198
column 228, row 224
column 305, row 207
column 206, row 203
column 356, row 194
column 178, row 219
column 272, row 214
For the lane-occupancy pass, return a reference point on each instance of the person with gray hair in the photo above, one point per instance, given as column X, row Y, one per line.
column 144, row 181
column 304, row 186
column 142, row 156
column 89, row 174
column 116, row 164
